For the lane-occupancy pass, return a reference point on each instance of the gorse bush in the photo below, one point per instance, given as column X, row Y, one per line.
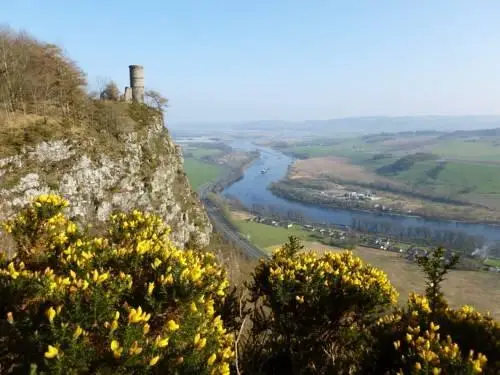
column 126, row 302
column 311, row 310
column 129, row 302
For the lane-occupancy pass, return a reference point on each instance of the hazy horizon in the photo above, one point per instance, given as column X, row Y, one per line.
column 221, row 61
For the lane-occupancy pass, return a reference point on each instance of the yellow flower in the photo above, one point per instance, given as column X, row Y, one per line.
column 50, row 314
column 434, row 327
column 193, row 307
column 51, row 352
column 135, row 348
column 418, row 366
column 116, row 349
column 172, row 325
column 153, row 361
column 10, row 317
column 201, row 344
column 146, row 328
column 161, row 343
column 78, row 332
column 117, row 315
column 156, row 263
column 114, row 345
column 114, row 325
column 211, row 359
column 151, row 287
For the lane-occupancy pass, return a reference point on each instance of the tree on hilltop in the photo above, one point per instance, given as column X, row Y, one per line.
column 111, row 92
column 37, row 77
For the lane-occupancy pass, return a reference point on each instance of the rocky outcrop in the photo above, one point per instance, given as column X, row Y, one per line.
column 144, row 170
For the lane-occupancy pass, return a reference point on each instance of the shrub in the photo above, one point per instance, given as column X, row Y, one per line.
column 429, row 337
column 128, row 302
column 311, row 311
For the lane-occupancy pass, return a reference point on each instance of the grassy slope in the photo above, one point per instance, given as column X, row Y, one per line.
column 199, row 172
column 455, row 177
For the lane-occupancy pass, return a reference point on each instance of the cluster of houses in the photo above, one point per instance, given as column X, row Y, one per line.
column 385, row 244
column 354, row 195
column 270, row 221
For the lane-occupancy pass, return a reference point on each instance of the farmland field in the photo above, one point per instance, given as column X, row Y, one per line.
column 264, row 236
column 199, row 172
column 199, row 153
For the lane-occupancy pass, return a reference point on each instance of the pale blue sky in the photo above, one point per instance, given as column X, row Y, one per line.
column 235, row 60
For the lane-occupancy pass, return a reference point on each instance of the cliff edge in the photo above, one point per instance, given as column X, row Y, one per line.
column 133, row 164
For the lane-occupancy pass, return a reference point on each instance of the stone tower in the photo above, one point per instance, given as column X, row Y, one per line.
column 136, row 83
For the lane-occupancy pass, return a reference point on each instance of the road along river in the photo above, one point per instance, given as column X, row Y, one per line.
column 253, row 189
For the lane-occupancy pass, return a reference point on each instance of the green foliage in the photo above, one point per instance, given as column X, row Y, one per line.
column 128, row 302
column 435, row 268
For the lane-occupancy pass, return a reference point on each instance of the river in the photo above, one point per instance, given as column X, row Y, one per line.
column 252, row 189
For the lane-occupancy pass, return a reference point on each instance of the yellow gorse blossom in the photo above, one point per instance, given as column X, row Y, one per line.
column 51, row 352
column 50, row 314
column 161, row 342
column 78, row 332
column 137, row 316
column 116, row 349
column 153, row 361
column 211, row 359
column 172, row 325
column 151, row 287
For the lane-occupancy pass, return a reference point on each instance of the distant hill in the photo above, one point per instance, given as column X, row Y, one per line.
column 351, row 125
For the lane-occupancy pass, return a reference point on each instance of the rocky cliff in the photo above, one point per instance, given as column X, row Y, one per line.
column 100, row 170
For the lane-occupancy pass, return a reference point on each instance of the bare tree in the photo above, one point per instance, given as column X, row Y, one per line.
column 156, row 100
column 111, row 92
column 37, row 77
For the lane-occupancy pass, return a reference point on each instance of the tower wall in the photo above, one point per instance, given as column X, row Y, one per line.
column 137, row 82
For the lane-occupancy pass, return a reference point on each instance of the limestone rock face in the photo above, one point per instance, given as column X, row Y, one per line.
column 146, row 174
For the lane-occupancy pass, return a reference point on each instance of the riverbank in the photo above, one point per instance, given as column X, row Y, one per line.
column 332, row 195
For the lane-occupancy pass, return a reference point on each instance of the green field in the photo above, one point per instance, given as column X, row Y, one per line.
column 264, row 236
column 200, row 173
column 461, row 149
column 199, row 153
column 350, row 148
column 494, row 262
column 454, row 178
